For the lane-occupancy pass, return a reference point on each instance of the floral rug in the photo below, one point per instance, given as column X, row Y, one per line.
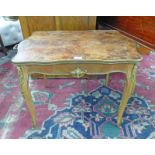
column 94, row 115
column 79, row 108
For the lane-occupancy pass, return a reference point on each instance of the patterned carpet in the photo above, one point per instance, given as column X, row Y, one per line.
column 79, row 108
column 95, row 115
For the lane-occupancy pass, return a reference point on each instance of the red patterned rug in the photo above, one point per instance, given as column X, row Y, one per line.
column 15, row 121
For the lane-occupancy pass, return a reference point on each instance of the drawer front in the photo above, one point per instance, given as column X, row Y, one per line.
column 78, row 70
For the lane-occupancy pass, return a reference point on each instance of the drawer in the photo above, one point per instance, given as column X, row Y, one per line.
column 78, row 70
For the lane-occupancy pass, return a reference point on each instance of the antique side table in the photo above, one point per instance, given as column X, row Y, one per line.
column 77, row 54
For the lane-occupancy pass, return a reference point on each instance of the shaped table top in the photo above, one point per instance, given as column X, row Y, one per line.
column 105, row 46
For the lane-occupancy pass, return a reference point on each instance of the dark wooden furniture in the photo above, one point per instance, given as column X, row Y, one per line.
column 141, row 28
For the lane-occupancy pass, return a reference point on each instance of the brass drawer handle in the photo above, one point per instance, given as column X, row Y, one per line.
column 78, row 73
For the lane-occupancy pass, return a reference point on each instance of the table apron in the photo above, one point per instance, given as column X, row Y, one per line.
column 70, row 69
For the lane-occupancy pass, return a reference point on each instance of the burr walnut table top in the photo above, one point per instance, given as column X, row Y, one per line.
column 108, row 46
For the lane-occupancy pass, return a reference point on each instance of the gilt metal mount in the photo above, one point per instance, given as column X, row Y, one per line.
column 78, row 73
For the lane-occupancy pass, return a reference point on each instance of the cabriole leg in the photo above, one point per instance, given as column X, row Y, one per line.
column 24, row 86
column 107, row 79
column 129, row 86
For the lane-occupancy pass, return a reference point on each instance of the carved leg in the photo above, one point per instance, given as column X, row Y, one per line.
column 45, row 81
column 23, row 79
column 107, row 79
column 129, row 86
column 134, row 79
